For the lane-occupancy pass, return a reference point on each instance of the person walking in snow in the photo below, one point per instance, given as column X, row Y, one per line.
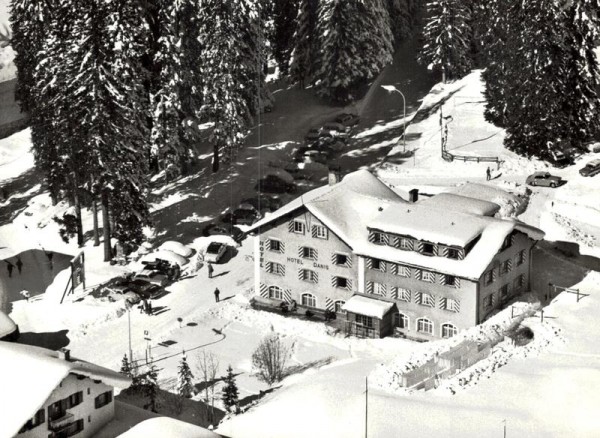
column 217, row 293
column 19, row 265
column 210, row 270
column 488, row 174
column 10, row 267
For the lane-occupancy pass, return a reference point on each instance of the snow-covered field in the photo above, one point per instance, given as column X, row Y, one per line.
column 547, row 388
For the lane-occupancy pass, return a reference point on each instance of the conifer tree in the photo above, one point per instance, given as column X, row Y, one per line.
column 402, row 17
column 304, row 41
column 284, row 25
column 355, row 43
column 150, row 383
column 185, row 386
column 230, row 391
column 125, row 366
column 447, row 39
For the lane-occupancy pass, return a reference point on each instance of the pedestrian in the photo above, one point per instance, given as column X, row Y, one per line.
column 210, row 270
column 149, row 309
column 488, row 173
column 144, row 305
column 10, row 267
column 50, row 256
column 19, row 265
column 217, row 293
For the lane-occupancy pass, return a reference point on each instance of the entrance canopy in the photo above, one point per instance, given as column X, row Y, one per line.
column 367, row 306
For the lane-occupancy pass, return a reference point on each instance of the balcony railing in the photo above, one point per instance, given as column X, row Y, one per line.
column 60, row 423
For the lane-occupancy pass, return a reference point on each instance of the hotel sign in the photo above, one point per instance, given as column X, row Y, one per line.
column 298, row 261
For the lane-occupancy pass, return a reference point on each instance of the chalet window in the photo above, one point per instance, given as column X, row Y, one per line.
column 103, row 399
column 448, row 330
column 338, row 306
column 72, row 429
column 379, row 238
column 427, row 248
column 75, row 399
column 402, row 294
column 275, row 245
column 378, row 288
column 342, row 283
column 424, row 325
column 377, row 265
column 505, row 267
column 308, row 275
column 451, row 305
column 450, row 280
column 309, row 300
column 275, row 268
column 38, row 418
column 520, row 259
column 425, row 299
column 403, row 271
column 276, row 293
column 428, row 276
column 365, row 321
column 319, row 231
column 488, row 277
column 341, row 260
column 488, row 302
column 401, row 321
column 504, row 293
column 453, row 253
column 405, row 244
column 308, row 253
column 298, row 227
column 57, row 409
column 507, row 242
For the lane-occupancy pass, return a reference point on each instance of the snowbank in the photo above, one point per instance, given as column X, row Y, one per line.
column 176, row 247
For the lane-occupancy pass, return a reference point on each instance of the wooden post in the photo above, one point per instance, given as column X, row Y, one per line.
column 577, row 292
column 366, row 405
column 542, row 315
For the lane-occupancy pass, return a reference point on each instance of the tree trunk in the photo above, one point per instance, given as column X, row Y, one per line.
column 77, row 203
column 215, row 163
column 106, row 228
column 95, row 213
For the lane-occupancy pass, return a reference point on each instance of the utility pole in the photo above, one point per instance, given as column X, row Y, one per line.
column 504, row 423
column 366, row 405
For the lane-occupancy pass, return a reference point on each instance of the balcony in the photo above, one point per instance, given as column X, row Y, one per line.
column 60, row 423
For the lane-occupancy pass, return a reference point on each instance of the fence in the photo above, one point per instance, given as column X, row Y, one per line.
column 449, row 156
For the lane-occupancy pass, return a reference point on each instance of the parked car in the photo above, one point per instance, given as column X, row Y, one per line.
column 336, row 129
column 153, row 277
column 544, row 179
column 226, row 229
column 348, row 119
column 314, row 156
column 593, row 147
column 145, row 289
column 274, row 184
column 241, row 216
column 312, row 134
column 561, row 159
column 130, row 296
column 590, row 169
column 262, row 201
column 214, row 252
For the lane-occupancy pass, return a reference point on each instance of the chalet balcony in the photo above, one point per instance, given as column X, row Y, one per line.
column 61, row 423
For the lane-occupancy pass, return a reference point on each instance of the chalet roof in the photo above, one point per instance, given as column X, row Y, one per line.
column 461, row 203
column 367, row 306
column 30, row 374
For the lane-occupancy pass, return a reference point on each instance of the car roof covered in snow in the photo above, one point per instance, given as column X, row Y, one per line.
column 367, row 306
column 464, row 204
column 30, row 374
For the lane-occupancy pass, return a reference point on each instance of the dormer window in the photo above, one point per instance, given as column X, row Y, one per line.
column 453, row 253
column 428, row 249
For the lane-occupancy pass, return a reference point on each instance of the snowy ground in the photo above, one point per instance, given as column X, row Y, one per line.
column 545, row 389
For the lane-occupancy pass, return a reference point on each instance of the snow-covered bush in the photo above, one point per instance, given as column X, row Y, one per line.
column 269, row 359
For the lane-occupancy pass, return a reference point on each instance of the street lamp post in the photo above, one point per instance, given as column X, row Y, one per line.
column 128, row 307
column 390, row 89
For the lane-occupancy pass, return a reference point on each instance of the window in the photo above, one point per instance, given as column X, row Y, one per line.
column 309, row 300
column 341, row 260
column 275, row 268
column 308, row 275
column 275, row 245
column 448, row 330
column 401, row 321
column 38, row 418
column 377, row 265
column 342, row 283
column 488, row 302
column 453, row 253
column 424, row 326
column 378, row 288
column 276, row 293
column 428, row 248
column 450, row 280
column 72, row 429
column 338, row 306
column 428, row 276
column 520, row 259
column 505, row 267
column 403, row 271
column 451, row 305
column 402, row 294
column 405, row 244
column 519, row 283
column 507, row 242
column 75, row 399
column 379, row 238
column 298, row 227
column 426, row 299
column 504, row 293
column 308, row 253
column 365, row 321
column 488, row 277
column 319, row 231
column 103, row 399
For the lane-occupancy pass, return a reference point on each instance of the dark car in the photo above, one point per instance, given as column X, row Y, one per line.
column 561, row 159
column 141, row 287
column 275, row 184
column 590, row 169
column 226, row 229
column 312, row 134
column 241, row 216
column 544, row 179
column 348, row 119
column 261, row 202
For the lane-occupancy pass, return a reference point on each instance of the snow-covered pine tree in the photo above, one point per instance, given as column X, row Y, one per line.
column 150, row 383
column 284, row 22
column 355, row 43
column 166, row 105
column 402, row 17
column 304, row 42
column 125, row 366
column 447, row 39
column 230, row 391
column 185, row 386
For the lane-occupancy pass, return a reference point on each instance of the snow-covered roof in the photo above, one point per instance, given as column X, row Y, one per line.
column 436, row 225
column 367, row 306
column 30, row 374
column 460, row 203
column 345, row 207
column 167, row 427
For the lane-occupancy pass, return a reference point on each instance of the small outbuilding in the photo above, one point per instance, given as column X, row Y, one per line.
column 368, row 317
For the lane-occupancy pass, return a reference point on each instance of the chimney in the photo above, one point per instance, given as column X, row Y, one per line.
column 413, row 195
column 64, row 354
column 335, row 174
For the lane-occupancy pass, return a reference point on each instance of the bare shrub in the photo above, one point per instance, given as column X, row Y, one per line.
column 270, row 358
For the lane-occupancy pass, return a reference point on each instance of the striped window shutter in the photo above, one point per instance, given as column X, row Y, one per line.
column 348, row 262
column 369, row 263
column 349, row 284
column 385, row 239
column 525, row 256
column 411, row 244
column 333, row 258
column 315, row 277
column 372, row 236
column 443, row 250
column 443, row 303
column 329, row 304
column 282, row 247
column 300, row 251
column 461, row 254
column 394, row 268
column 383, row 266
column 419, row 297
column 512, row 238
column 287, row 295
column 333, row 281
column 264, row 290
column 395, row 241
column 495, row 274
column 457, row 282
column 268, row 245
column 315, row 254
column 394, row 292
column 291, row 226
column 441, row 278
column 369, row 287
column 300, row 274
column 282, row 269
column 417, row 273
column 436, row 250
column 508, row 265
column 313, row 231
column 419, row 247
